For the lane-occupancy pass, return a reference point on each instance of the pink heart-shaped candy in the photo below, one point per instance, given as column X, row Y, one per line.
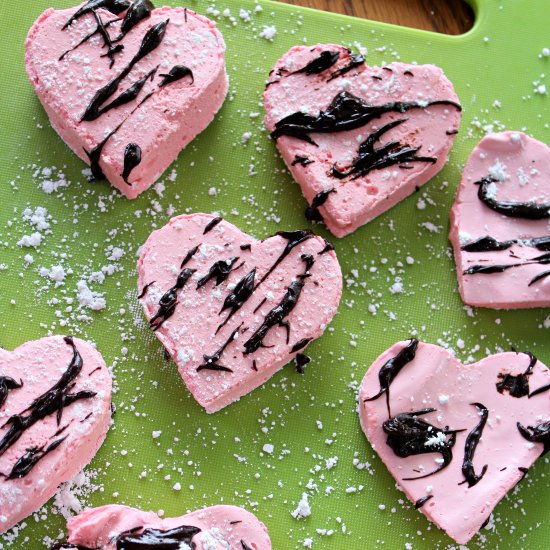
column 231, row 310
column 479, row 427
column 55, row 410
column 500, row 223
column 214, row 528
column 358, row 139
column 132, row 96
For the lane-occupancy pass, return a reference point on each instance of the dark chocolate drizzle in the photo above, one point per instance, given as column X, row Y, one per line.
column 525, row 210
column 246, row 246
column 421, row 501
column 211, row 361
column 470, row 446
column 245, row 546
column 114, row 6
column 300, row 344
column 169, row 300
column 52, row 401
column 325, row 60
column 220, row 271
column 408, row 435
column 542, row 389
column 302, row 161
column 312, row 211
column 517, row 385
column 157, row 539
column 500, row 268
column 29, row 460
column 345, row 112
column 490, row 244
column 6, row 384
column 108, row 42
column 355, row 61
column 328, row 247
column 152, row 39
column 137, row 12
column 389, row 154
column 176, row 73
column 211, row 224
column 145, row 289
column 537, row 434
column 539, row 277
column 293, row 238
column 391, row 368
column 132, row 157
column 240, row 294
column 128, row 95
column 277, row 315
column 301, row 361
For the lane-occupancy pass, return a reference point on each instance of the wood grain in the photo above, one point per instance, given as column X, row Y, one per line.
column 444, row 16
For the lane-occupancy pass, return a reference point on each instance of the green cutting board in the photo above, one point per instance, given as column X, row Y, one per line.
column 309, row 418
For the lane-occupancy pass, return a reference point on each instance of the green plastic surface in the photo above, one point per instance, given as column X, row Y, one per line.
column 307, row 418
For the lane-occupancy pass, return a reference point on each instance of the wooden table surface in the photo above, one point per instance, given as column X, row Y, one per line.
column 445, row 16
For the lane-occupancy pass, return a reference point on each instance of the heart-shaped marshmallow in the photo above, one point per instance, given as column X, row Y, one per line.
column 358, row 139
column 55, row 410
column 115, row 527
column 127, row 92
column 479, row 427
column 500, row 223
column 231, row 310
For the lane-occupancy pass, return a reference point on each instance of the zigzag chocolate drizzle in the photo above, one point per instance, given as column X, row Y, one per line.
column 517, row 385
column 490, row 244
column 345, row 112
column 277, row 315
column 51, row 402
column 29, row 460
column 211, row 361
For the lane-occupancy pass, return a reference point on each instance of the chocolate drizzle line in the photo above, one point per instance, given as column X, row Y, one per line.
column 138, row 11
column 152, row 39
column 525, row 210
column 51, row 402
column 539, row 277
column 389, row 154
column 500, row 268
column 211, row 224
column 169, row 300
column 355, row 61
column 176, row 73
column 537, row 434
column 245, row 546
column 114, row 6
column 490, row 244
column 470, row 446
column 240, row 294
column 325, row 60
column 328, row 247
column 220, row 271
column 542, row 389
column 29, row 460
column 391, row 368
column 421, row 501
column 278, row 314
column 312, row 212
column 145, row 289
column 6, row 384
column 157, row 539
column 300, row 344
column 111, row 48
column 293, row 238
column 302, row 161
column 409, row 435
column 211, row 361
column 132, row 157
column 345, row 112
column 517, row 385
